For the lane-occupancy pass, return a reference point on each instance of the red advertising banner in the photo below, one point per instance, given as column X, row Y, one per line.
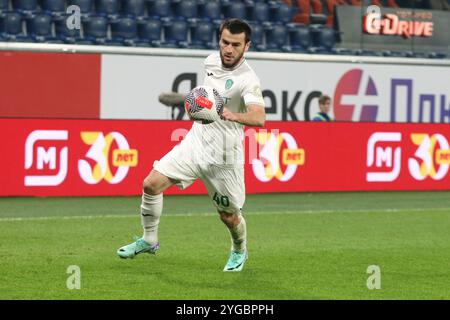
column 112, row 157
column 50, row 85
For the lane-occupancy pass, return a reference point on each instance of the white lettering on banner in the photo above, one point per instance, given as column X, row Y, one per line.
column 390, row 24
column 428, row 157
column 46, row 157
column 268, row 165
column 100, row 151
column 386, row 157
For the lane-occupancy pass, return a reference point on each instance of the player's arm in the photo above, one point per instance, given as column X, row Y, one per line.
column 254, row 117
column 172, row 99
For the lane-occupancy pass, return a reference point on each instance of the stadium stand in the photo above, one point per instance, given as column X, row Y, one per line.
column 159, row 8
column 258, row 12
column 108, row 8
column 39, row 28
column 133, row 8
column 66, row 35
column 187, row 9
column 202, row 36
column 277, row 39
column 149, row 33
column 4, row 5
column 54, row 8
column 257, row 37
column 124, row 31
column 11, row 27
column 25, row 7
column 304, row 8
column 235, row 10
column 176, row 34
column 304, row 26
column 300, row 37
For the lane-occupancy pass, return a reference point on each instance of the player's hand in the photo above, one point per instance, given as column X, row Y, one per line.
column 228, row 115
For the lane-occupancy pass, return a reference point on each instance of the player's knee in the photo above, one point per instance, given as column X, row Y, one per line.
column 151, row 186
column 231, row 220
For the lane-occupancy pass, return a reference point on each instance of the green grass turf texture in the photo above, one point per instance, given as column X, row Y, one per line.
column 301, row 246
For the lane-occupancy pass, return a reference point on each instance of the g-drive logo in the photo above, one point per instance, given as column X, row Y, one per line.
column 356, row 97
column 46, row 159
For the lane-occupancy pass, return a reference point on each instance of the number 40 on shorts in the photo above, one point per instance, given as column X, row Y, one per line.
column 221, row 200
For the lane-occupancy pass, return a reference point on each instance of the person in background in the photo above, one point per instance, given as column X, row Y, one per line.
column 325, row 107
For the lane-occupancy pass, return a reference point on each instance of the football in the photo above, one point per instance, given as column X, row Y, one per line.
column 204, row 104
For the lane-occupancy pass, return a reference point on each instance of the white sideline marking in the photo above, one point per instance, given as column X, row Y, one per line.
column 189, row 214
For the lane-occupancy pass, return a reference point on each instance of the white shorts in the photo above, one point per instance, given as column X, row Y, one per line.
column 225, row 185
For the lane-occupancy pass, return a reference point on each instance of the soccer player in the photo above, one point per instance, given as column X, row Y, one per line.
column 324, row 106
column 211, row 152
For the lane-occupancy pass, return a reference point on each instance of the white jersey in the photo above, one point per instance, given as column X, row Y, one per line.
column 221, row 142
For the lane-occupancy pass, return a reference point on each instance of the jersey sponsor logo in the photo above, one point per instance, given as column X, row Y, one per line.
column 45, row 158
column 101, row 149
column 279, row 156
column 356, row 97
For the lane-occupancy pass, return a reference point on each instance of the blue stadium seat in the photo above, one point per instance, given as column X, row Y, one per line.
column 124, row 30
column 202, row 36
column 133, row 8
column 187, row 9
column 299, row 37
column 210, row 10
column 257, row 42
column 96, row 29
column 70, row 36
column 11, row 27
column 108, row 8
column 86, row 6
column 39, row 28
column 323, row 38
column 276, row 38
column 54, row 7
column 258, row 12
column 236, row 10
column 4, row 5
column 149, row 32
column 176, row 34
column 280, row 12
column 159, row 8
column 25, row 7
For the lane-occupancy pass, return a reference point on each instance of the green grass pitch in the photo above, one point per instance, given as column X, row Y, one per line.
column 301, row 246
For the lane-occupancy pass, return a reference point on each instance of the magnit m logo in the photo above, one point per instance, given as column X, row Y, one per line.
column 109, row 157
column 384, row 156
column 356, row 97
column 46, row 158
column 279, row 156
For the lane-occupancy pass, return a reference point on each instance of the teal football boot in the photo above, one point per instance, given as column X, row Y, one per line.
column 138, row 246
column 236, row 261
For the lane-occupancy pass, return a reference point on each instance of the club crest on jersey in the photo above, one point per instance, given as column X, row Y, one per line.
column 228, row 84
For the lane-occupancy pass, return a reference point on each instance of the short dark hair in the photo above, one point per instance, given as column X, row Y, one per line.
column 236, row 26
column 324, row 98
